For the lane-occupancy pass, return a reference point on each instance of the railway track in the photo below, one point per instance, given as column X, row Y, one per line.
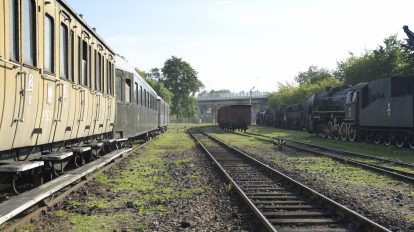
column 278, row 201
column 33, row 203
column 396, row 169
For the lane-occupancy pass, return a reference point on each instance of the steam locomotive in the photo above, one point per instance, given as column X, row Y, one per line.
column 286, row 117
column 380, row 111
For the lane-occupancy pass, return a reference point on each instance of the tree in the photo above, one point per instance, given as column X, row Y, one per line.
column 181, row 79
column 155, row 74
column 161, row 90
column 313, row 75
column 390, row 59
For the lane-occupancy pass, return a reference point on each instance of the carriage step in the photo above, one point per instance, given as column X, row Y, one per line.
column 20, row 166
column 57, row 156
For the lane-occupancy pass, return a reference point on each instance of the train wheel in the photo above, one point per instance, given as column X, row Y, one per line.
column 411, row 141
column 400, row 140
column 377, row 137
column 352, row 133
column 343, row 131
column 330, row 130
column 388, row 138
column 336, row 132
column 323, row 131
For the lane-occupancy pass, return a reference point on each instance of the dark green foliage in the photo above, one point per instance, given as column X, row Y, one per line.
column 161, row 90
column 313, row 75
column 181, row 79
column 391, row 59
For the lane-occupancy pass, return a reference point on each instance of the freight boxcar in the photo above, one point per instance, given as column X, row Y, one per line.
column 234, row 117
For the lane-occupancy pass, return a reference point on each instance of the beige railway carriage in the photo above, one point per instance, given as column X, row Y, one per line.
column 56, row 77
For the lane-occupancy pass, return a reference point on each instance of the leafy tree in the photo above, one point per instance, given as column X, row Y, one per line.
column 313, row 75
column 290, row 94
column 155, row 74
column 181, row 79
column 161, row 90
column 386, row 60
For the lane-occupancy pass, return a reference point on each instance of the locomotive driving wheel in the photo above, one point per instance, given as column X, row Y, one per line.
column 330, row 130
column 377, row 137
column 352, row 132
column 336, row 131
column 411, row 141
column 323, row 131
column 400, row 140
column 343, row 131
column 388, row 138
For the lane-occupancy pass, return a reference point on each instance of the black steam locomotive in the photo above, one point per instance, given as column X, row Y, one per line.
column 378, row 111
column 286, row 117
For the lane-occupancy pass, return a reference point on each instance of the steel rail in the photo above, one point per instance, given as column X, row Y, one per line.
column 341, row 210
column 397, row 174
column 45, row 205
column 339, row 151
column 255, row 210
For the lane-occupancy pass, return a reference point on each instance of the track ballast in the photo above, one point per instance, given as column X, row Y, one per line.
column 280, row 203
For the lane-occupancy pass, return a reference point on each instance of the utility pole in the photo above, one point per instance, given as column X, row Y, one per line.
column 251, row 93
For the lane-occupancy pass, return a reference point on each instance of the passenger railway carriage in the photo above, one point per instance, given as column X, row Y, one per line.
column 139, row 110
column 57, row 76
column 59, row 94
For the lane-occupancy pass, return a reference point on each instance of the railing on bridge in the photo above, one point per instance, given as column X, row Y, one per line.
column 241, row 95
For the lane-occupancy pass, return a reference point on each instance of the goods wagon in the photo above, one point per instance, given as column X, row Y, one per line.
column 234, row 117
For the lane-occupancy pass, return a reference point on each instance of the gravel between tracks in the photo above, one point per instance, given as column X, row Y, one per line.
column 208, row 208
column 391, row 206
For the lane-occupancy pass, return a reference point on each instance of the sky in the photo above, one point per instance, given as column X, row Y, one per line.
column 240, row 44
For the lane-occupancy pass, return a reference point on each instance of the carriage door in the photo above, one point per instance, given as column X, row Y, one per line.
column 49, row 75
column 11, row 72
column 27, row 93
column 63, row 87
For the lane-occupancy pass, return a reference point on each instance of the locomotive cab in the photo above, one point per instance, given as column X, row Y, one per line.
column 351, row 106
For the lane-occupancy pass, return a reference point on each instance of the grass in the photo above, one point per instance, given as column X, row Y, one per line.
column 389, row 152
column 317, row 166
column 144, row 180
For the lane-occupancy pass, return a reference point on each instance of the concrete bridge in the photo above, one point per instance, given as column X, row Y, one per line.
column 207, row 105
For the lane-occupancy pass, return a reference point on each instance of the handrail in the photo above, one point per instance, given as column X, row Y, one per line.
column 49, row 78
column 20, row 117
column 15, row 65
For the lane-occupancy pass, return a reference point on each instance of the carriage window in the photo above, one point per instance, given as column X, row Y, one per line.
column 49, row 44
column 97, row 71
column 29, row 32
column 354, row 97
column 148, row 100
column 127, row 90
column 140, row 92
column 102, row 73
column 136, row 93
column 79, row 61
column 145, row 98
column 111, row 91
column 119, row 86
column 90, row 67
column 14, row 30
column 84, row 64
column 63, row 51
column 72, row 55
